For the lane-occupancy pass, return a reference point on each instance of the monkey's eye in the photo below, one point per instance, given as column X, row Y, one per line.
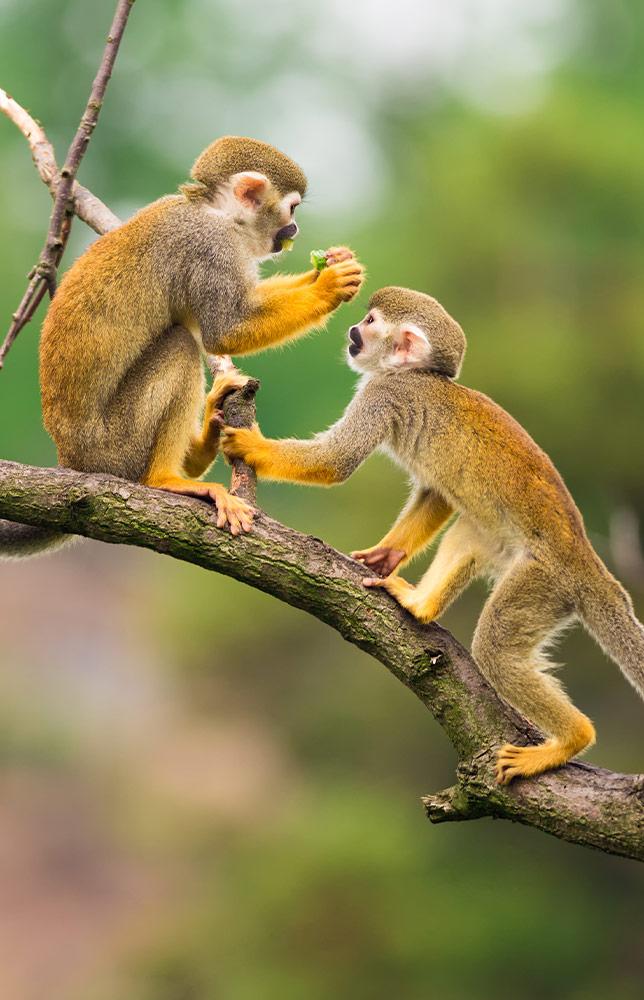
column 293, row 207
column 369, row 319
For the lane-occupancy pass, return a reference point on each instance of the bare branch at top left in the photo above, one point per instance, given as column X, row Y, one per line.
column 43, row 275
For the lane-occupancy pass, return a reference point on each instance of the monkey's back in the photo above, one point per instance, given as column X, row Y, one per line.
column 481, row 459
column 114, row 304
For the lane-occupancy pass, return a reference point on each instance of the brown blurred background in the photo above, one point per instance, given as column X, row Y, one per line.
column 206, row 794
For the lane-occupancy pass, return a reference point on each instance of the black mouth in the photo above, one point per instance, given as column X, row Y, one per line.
column 285, row 233
column 357, row 342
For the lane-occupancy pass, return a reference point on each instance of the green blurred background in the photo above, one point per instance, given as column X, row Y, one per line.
column 206, row 794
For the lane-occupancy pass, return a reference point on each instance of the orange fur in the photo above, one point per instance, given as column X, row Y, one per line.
column 269, row 460
column 282, row 307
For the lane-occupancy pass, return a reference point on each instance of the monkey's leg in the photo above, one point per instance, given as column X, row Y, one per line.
column 204, row 445
column 166, row 473
column 147, row 425
column 164, row 384
column 281, row 312
column 460, row 557
column 422, row 517
column 523, row 612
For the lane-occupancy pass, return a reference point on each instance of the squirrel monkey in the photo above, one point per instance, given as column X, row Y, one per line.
column 514, row 519
column 121, row 367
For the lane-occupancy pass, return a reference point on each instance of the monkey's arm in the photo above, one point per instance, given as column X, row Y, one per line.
column 418, row 523
column 280, row 310
column 326, row 459
column 291, row 280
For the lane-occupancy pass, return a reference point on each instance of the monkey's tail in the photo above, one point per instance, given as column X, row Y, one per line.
column 20, row 540
column 607, row 612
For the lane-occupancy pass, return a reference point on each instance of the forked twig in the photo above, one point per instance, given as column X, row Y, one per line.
column 87, row 206
column 43, row 276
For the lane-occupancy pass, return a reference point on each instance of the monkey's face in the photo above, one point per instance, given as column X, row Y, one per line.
column 265, row 217
column 377, row 344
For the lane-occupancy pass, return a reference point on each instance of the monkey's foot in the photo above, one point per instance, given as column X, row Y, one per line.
column 232, row 512
column 380, row 559
column 523, row 762
column 401, row 590
column 423, row 609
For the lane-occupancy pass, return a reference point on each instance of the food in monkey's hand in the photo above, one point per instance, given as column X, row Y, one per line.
column 319, row 259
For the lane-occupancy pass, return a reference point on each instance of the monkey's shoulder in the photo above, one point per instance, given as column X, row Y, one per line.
column 413, row 387
column 450, row 405
column 182, row 223
column 483, row 413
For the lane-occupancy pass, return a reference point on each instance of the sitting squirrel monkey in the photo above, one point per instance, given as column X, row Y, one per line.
column 121, row 355
column 514, row 519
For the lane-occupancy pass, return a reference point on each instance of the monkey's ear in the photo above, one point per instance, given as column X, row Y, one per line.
column 249, row 188
column 411, row 346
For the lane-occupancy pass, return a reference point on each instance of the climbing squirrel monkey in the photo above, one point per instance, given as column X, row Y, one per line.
column 512, row 517
column 121, row 356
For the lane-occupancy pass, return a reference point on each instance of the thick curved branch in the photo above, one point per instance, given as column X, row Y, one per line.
column 580, row 803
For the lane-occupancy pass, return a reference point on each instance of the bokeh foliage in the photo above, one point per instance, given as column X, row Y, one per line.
column 265, row 777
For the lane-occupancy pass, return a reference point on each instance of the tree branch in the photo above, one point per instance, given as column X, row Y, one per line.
column 580, row 803
column 87, row 206
column 43, row 276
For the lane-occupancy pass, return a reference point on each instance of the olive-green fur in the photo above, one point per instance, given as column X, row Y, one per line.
column 233, row 154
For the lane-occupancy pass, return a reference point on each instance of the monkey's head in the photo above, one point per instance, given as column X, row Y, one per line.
column 254, row 184
column 406, row 329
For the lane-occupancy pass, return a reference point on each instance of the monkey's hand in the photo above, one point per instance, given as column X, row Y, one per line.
column 246, row 443
column 381, row 559
column 341, row 281
column 335, row 255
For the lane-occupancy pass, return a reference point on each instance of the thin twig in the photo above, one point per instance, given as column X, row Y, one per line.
column 42, row 151
column 87, row 206
column 63, row 210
